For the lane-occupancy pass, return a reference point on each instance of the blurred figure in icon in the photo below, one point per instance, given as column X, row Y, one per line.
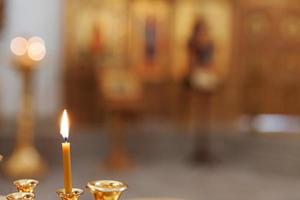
column 201, row 82
column 96, row 43
column 200, row 46
column 150, row 40
column 153, row 44
column 88, row 63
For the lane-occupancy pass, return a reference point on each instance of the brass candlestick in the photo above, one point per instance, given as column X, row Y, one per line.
column 25, row 159
column 76, row 193
column 20, row 196
column 106, row 189
column 26, row 185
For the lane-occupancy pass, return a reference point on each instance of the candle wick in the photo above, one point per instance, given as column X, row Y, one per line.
column 65, row 139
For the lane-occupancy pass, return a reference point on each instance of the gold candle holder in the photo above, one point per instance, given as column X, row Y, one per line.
column 20, row 196
column 26, row 185
column 76, row 193
column 106, row 189
column 25, row 160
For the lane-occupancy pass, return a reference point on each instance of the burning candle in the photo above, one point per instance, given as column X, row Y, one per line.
column 66, row 150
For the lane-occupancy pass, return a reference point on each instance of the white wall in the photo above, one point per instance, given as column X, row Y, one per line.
column 43, row 18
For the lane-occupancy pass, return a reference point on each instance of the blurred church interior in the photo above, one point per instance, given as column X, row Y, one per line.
column 180, row 99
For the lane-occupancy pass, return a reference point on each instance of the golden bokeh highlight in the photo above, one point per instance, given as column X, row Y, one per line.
column 36, row 51
column 34, row 47
column 36, row 39
column 19, row 46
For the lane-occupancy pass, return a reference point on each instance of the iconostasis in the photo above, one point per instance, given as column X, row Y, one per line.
column 140, row 46
column 268, row 44
column 100, row 27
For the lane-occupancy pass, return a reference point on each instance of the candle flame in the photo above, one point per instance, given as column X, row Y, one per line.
column 64, row 125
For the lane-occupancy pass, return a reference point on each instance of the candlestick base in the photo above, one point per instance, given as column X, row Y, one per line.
column 72, row 196
column 24, row 162
column 26, row 185
column 20, row 196
column 106, row 189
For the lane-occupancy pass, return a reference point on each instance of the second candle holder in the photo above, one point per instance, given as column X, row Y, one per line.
column 26, row 185
column 106, row 189
column 76, row 193
column 20, row 196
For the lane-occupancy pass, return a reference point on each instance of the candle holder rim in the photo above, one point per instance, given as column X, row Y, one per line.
column 25, row 181
column 75, row 191
column 28, row 195
column 93, row 187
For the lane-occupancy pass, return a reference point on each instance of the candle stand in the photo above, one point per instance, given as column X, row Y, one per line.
column 25, row 159
column 118, row 158
column 101, row 190
column 26, row 185
column 106, row 189
column 76, row 193
column 20, row 196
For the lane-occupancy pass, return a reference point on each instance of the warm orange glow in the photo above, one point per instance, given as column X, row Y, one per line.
column 64, row 125
column 36, row 48
column 19, row 46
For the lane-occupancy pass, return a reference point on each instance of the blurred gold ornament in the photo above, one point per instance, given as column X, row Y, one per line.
column 20, row 196
column 25, row 159
column 26, row 185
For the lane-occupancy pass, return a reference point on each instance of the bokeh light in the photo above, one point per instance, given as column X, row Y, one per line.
column 36, row 39
column 19, row 46
column 36, row 48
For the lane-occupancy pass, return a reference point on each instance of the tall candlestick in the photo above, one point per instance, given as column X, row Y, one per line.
column 66, row 149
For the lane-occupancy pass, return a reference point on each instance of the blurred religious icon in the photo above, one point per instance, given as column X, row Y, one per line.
column 119, row 85
column 96, row 42
column 93, row 62
column 122, row 93
column 84, row 75
column 150, row 40
column 152, row 46
column 96, row 39
column 202, row 79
